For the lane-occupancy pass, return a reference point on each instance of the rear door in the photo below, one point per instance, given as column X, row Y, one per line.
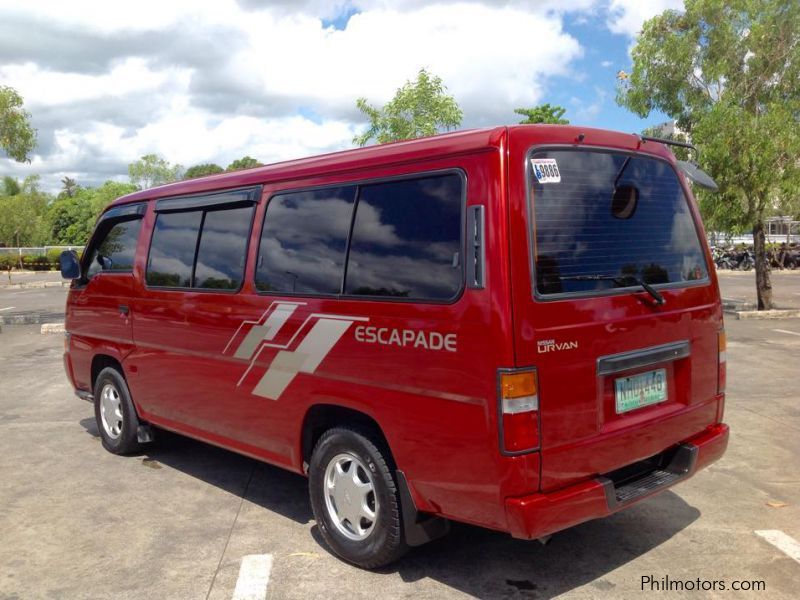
column 621, row 316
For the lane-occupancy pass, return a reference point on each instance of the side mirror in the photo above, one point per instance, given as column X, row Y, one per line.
column 70, row 265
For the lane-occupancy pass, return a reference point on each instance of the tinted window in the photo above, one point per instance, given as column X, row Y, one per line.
column 304, row 240
column 407, row 239
column 172, row 249
column 115, row 247
column 612, row 216
column 223, row 248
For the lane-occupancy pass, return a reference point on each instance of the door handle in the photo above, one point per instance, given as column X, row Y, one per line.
column 124, row 310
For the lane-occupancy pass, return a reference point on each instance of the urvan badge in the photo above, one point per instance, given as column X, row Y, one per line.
column 546, row 170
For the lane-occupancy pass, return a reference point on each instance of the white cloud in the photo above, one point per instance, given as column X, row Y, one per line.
column 627, row 16
column 606, row 63
column 213, row 80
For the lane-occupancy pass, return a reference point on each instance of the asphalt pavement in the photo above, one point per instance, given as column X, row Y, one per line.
column 178, row 520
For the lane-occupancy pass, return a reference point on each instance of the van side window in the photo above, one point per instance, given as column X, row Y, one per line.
column 172, row 249
column 223, row 249
column 203, row 248
column 115, row 248
column 406, row 239
column 304, row 241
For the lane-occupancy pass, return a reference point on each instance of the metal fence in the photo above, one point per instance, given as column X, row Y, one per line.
column 37, row 251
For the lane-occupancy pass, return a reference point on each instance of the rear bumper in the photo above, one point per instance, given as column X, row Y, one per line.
column 542, row 514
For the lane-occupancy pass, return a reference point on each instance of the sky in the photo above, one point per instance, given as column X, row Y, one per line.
column 198, row 81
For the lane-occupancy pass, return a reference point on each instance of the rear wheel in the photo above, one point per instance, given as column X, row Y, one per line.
column 116, row 417
column 355, row 499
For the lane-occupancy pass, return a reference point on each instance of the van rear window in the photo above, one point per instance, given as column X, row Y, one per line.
column 602, row 220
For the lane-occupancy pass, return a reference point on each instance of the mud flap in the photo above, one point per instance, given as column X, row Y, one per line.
column 419, row 528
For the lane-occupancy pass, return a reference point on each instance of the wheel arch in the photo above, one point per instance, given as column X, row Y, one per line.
column 321, row 417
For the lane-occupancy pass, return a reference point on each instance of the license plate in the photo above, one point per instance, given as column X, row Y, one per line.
column 640, row 390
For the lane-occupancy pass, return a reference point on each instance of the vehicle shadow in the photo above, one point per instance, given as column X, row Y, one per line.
column 472, row 560
column 489, row 564
column 272, row 488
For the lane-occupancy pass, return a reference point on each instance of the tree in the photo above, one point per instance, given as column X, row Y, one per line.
column 153, row 170
column 202, row 170
column 22, row 221
column 679, row 152
column 17, row 136
column 11, row 186
column 419, row 108
column 544, row 113
column 70, row 186
column 729, row 72
column 246, row 162
column 71, row 219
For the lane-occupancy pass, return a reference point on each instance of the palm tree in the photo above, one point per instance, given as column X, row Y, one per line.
column 70, row 187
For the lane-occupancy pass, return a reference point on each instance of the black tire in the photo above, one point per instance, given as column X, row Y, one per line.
column 385, row 543
column 125, row 442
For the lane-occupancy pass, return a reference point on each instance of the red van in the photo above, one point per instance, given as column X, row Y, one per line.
column 518, row 328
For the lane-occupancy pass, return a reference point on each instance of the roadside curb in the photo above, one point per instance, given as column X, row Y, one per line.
column 765, row 314
column 35, row 285
column 30, row 319
column 53, row 328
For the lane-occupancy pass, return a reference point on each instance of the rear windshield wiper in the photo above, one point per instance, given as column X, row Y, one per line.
column 620, row 280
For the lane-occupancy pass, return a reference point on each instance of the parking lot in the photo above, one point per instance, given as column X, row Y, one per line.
column 176, row 521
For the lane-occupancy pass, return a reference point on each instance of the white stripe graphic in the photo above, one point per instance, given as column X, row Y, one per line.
column 306, row 358
column 260, row 320
column 253, row 577
column 786, row 544
column 291, row 340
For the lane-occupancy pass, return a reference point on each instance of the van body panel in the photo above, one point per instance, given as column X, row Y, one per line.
column 242, row 368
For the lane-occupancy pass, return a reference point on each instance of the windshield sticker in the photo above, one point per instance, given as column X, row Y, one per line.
column 546, row 170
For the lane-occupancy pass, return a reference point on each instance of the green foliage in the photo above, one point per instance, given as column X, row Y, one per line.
column 11, row 186
column 8, row 262
column 71, row 219
column 70, row 186
column 729, row 72
column 680, row 153
column 152, row 170
column 22, row 215
column 246, row 162
column 202, row 170
column 544, row 113
column 418, row 109
column 17, row 136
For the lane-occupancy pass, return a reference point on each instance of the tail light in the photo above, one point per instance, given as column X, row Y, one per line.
column 518, row 406
column 722, row 370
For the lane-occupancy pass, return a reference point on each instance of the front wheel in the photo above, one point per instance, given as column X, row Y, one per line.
column 355, row 500
column 116, row 417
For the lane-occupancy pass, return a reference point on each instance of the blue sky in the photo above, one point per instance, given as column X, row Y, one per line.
column 198, row 81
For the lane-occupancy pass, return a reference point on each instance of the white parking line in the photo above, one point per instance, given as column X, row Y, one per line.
column 786, row 544
column 253, row 577
column 6, row 308
column 786, row 331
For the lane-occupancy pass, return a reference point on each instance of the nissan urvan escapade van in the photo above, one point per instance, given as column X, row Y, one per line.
column 518, row 328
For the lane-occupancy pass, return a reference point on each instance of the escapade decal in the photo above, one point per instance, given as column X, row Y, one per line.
column 546, row 170
column 315, row 344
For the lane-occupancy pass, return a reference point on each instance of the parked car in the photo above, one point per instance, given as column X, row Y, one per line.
column 517, row 328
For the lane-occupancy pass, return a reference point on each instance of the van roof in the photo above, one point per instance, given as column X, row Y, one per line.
column 446, row 144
